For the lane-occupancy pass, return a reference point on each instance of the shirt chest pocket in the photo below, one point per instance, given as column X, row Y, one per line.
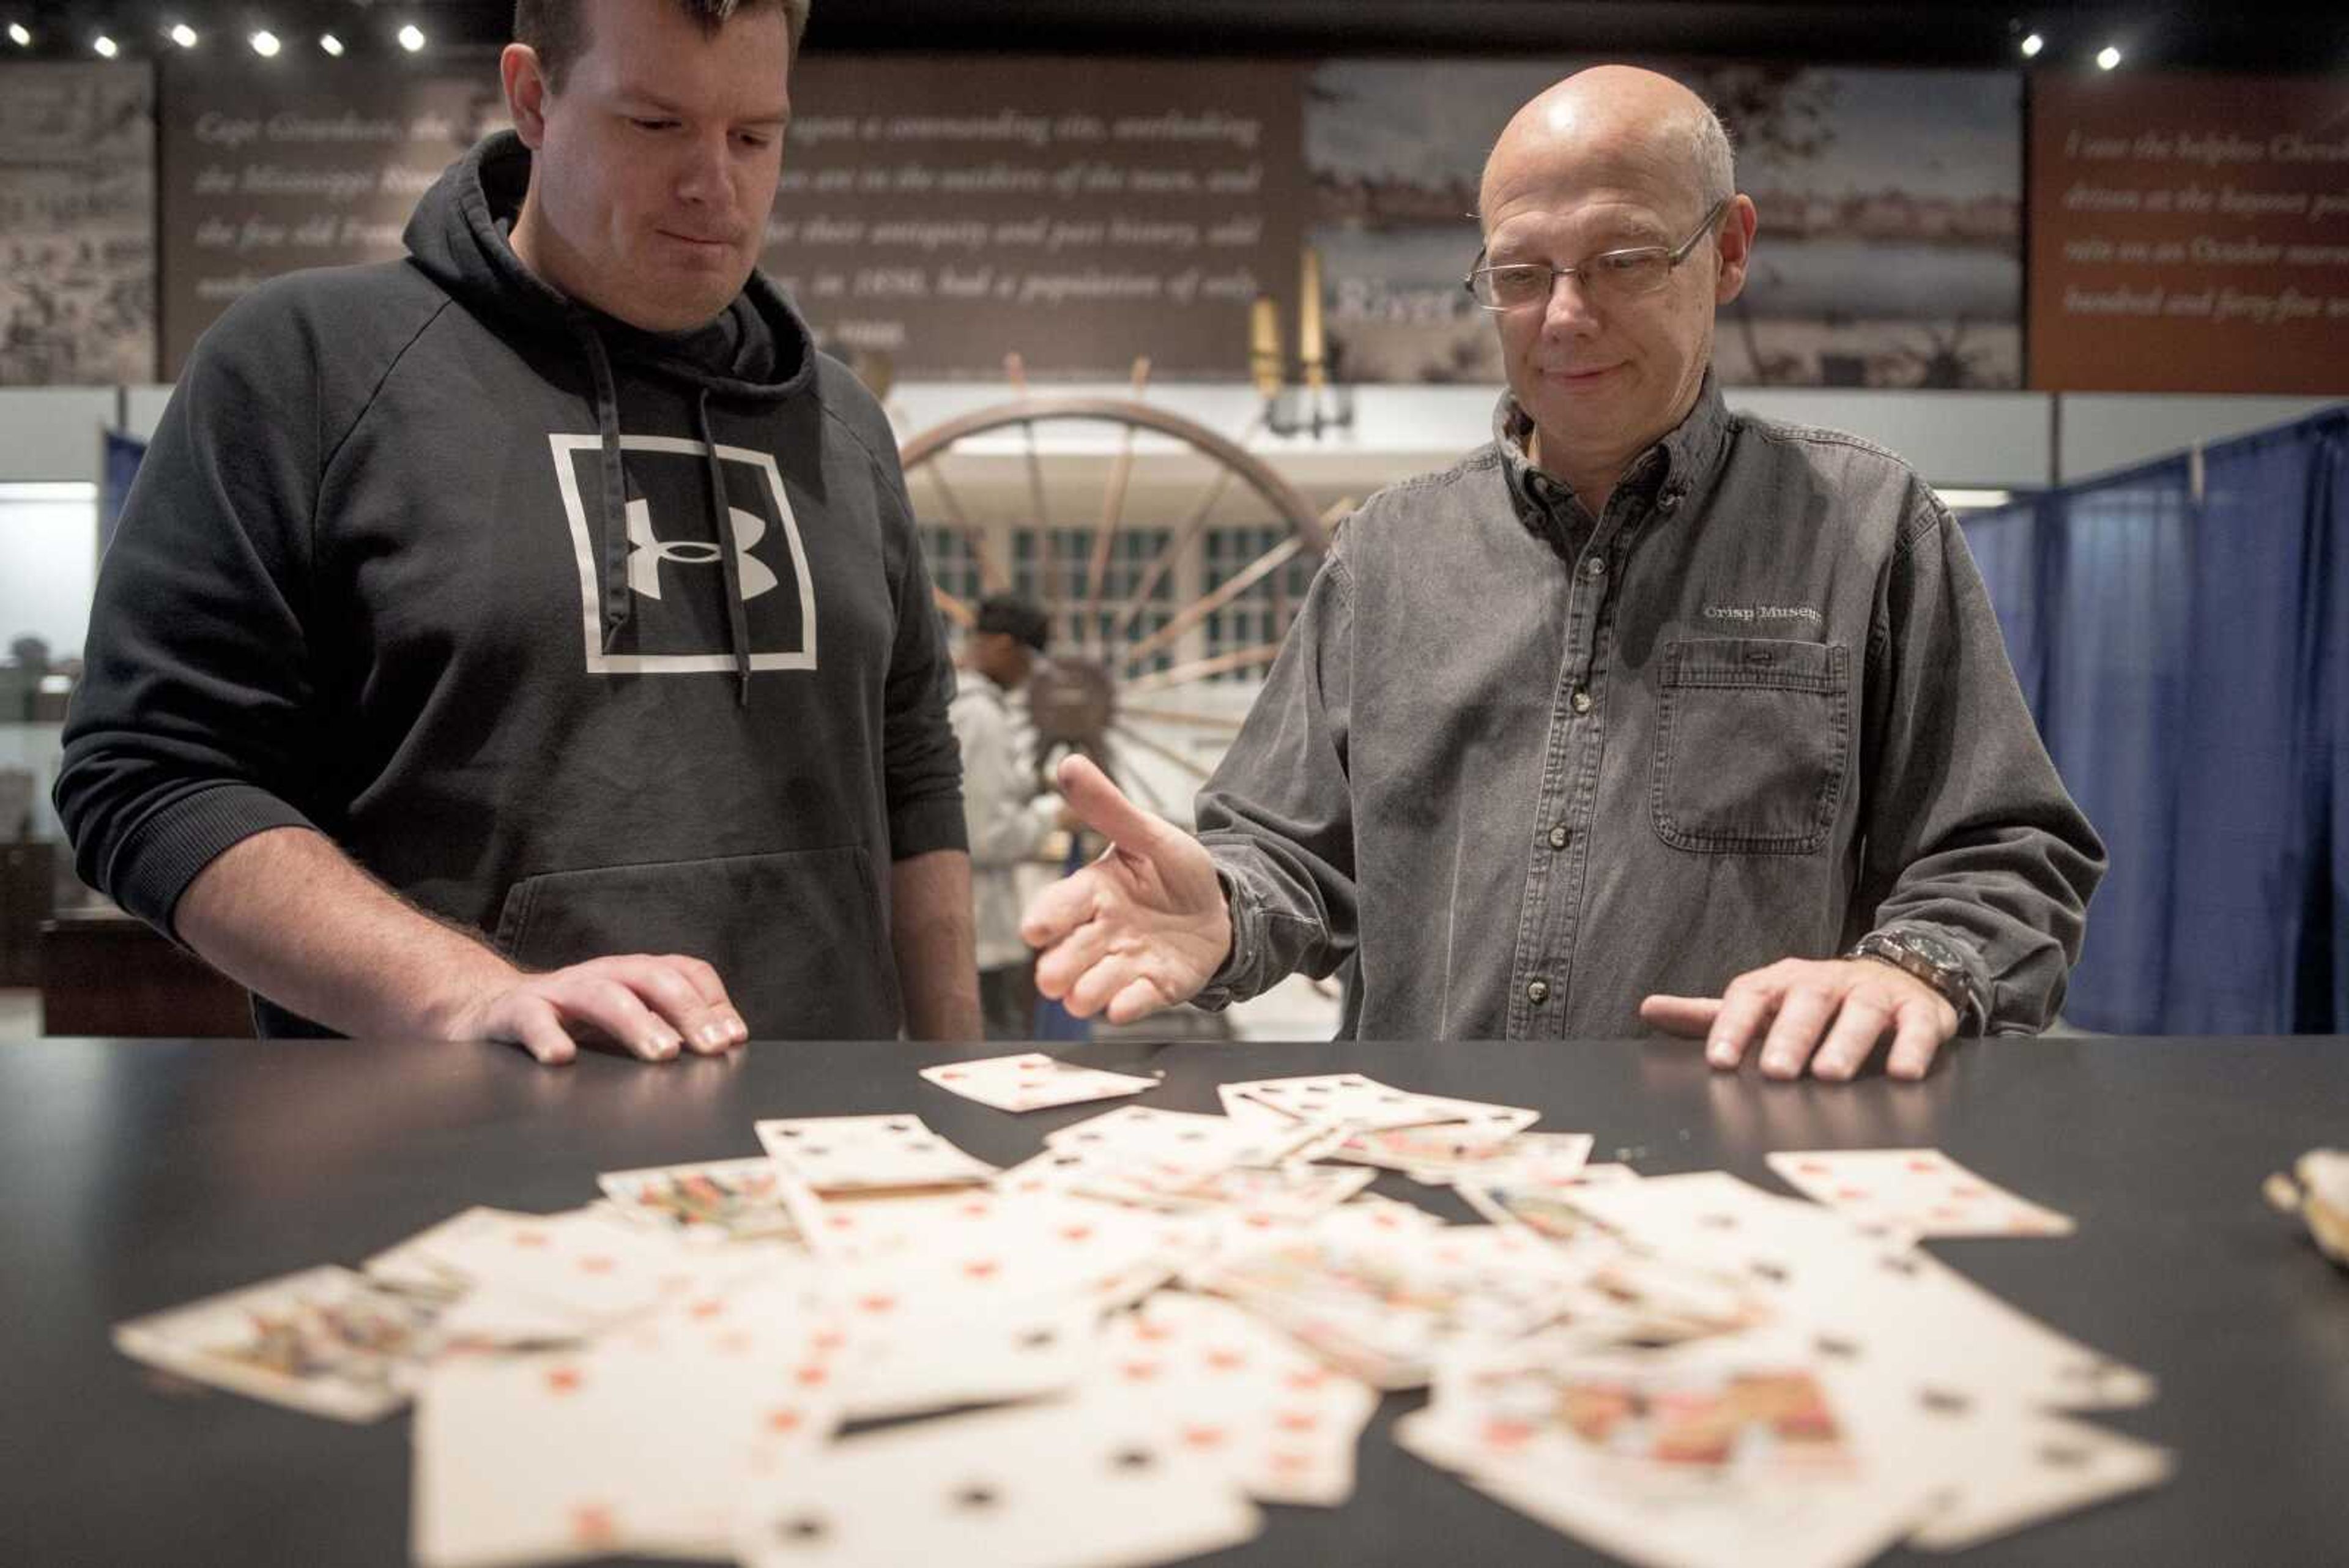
column 1752, row 739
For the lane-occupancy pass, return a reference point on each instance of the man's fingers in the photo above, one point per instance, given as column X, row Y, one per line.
column 1921, row 1029
column 667, row 990
column 535, row 1023
column 1059, row 909
column 1858, row 1027
column 702, row 975
column 605, row 1003
column 1802, row 1018
column 1095, row 987
column 1138, row 1001
column 1060, row 966
column 1103, row 808
column 1690, row 1017
column 1746, row 1006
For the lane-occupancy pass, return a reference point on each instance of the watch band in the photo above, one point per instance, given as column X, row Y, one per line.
column 1934, row 963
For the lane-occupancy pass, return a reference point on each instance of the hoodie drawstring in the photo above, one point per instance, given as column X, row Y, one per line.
column 722, row 519
column 614, row 517
column 615, row 604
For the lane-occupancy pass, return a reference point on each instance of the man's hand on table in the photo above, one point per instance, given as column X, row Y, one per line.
column 1828, row 1014
column 655, row 1007
column 1144, row 927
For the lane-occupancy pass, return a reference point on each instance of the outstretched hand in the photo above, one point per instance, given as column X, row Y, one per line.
column 1140, row 928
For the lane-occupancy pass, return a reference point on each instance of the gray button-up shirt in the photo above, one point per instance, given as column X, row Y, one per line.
column 1526, row 766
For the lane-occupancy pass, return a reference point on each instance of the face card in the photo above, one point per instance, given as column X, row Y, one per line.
column 1921, row 1190
column 326, row 1340
column 1069, row 1484
column 847, row 1154
column 1033, row 1081
column 715, row 1200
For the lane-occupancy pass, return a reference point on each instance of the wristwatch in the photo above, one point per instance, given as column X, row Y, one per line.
column 1935, row 962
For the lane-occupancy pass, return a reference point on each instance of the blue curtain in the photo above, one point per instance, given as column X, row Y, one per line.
column 2187, row 660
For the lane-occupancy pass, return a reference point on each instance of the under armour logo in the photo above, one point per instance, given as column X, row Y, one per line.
column 648, row 551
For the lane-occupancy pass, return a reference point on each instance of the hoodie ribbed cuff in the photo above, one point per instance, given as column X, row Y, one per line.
column 163, row 853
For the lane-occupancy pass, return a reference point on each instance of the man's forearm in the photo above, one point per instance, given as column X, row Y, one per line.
column 931, row 937
column 287, row 914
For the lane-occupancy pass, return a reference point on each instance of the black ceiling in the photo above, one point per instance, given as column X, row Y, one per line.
column 2259, row 35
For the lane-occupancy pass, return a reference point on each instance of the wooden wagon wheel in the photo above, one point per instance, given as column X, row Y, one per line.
column 1120, row 675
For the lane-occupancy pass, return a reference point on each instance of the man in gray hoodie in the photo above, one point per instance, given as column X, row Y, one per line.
column 1647, row 714
column 529, row 640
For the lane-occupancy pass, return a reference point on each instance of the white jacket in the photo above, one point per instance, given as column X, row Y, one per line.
column 1008, row 818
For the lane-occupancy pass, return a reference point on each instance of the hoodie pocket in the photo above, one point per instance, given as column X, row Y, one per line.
column 796, row 937
column 1750, row 745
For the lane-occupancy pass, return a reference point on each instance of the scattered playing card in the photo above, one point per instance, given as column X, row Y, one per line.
column 326, row 1340
column 1069, row 1484
column 1922, row 1191
column 847, row 1154
column 1242, row 1396
column 1351, row 1100
column 1033, row 1081
column 724, row 1200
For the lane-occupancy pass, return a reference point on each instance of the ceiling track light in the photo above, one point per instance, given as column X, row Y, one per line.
column 331, row 44
column 20, row 34
column 181, row 33
column 2107, row 57
column 412, row 38
column 2031, row 44
column 104, row 47
column 264, row 43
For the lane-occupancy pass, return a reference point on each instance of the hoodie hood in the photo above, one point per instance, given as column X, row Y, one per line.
column 756, row 350
column 459, row 234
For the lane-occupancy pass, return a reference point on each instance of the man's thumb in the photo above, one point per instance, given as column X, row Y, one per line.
column 1105, row 809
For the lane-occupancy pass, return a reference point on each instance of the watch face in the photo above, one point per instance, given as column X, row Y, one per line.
column 1932, row 949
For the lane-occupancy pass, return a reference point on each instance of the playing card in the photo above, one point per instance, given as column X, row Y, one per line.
column 1384, row 1305
column 643, row 1443
column 1685, row 1459
column 1921, row 1190
column 326, row 1340
column 1437, row 1154
column 2032, row 1467
column 719, row 1201
column 846, row 1154
column 585, row 1264
column 1350, row 1099
column 1069, row 1484
column 1240, row 1395
column 1853, row 1280
column 913, row 1358
column 1542, row 1204
column 1033, row 1081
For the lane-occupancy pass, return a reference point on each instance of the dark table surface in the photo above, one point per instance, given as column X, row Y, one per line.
column 138, row 1175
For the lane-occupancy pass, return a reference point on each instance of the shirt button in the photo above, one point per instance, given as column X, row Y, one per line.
column 1582, row 701
column 1558, row 837
column 1594, row 567
column 1537, row 992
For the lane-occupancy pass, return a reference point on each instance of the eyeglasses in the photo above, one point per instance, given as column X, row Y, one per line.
column 1610, row 277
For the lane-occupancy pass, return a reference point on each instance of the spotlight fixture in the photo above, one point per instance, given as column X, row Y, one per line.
column 264, row 43
column 2107, row 57
column 412, row 38
column 181, row 33
column 331, row 44
column 20, row 34
column 104, row 47
column 2032, row 44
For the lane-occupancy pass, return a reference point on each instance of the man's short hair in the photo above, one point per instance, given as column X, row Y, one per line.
column 557, row 29
column 1017, row 619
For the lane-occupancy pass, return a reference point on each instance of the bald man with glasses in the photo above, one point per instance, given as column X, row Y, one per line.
column 1645, row 715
